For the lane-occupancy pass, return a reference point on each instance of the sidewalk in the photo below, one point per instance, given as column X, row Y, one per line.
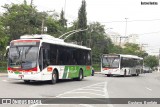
column 97, row 72
column 3, row 74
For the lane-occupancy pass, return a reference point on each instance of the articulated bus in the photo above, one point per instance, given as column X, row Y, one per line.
column 121, row 64
column 43, row 57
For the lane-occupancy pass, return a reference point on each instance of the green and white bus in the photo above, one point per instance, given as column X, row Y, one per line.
column 43, row 57
column 121, row 64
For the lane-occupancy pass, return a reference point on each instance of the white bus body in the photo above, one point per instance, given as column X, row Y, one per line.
column 42, row 57
column 121, row 64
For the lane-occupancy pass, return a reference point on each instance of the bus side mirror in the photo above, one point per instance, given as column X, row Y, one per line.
column 7, row 52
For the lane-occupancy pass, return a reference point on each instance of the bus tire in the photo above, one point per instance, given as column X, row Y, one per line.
column 137, row 74
column 27, row 81
column 80, row 77
column 92, row 73
column 125, row 72
column 54, row 77
column 108, row 75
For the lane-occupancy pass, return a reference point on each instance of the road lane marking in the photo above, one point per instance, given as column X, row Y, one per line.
column 4, row 80
column 90, row 86
column 148, row 89
column 87, row 93
column 105, row 90
column 91, row 89
column 99, row 87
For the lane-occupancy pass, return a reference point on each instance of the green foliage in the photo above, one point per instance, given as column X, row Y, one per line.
column 20, row 19
column 133, row 49
column 116, row 49
column 96, row 67
column 3, row 66
column 82, row 23
column 62, row 20
column 53, row 26
column 3, row 38
column 151, row 61
column 98, row 41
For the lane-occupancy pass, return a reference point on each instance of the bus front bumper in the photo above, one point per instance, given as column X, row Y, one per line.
column 38, row 76
column 110, row 72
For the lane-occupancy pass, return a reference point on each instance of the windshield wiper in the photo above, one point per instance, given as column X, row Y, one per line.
column 18, row 51
column 26, row 51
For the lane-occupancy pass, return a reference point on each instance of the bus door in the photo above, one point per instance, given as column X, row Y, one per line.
column 44, row 56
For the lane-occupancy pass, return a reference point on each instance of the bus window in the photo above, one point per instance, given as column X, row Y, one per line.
column 46, row 55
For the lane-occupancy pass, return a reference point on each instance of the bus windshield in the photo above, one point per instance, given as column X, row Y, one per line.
column 23, row 57
column 110, row 62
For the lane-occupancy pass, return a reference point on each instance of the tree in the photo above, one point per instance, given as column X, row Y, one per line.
column 151, row 61
column 82, row 23
column 21, row 19
column 54, row 27
column 3, row 38
column 133, row 49
column 62, row 20
column 98, row 41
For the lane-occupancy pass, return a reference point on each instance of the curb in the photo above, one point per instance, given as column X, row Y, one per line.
column 3, row 74
column 97, row 72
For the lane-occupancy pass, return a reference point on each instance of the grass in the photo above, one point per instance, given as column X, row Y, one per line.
column 96, row 67
column 3, row 67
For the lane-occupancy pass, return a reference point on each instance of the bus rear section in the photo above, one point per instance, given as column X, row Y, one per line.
column 110, row 65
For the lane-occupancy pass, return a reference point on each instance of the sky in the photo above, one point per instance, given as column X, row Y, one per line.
column 143, row 20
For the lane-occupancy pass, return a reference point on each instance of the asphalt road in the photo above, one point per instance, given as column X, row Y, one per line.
column 98, row 86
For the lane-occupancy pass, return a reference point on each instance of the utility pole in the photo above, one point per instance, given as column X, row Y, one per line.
column 142, row 45
column 64, row 8
column 121, row 39
column 42, row 27
column 126, row 27
column 31, row 3
column 90, row 40
column 43, row 21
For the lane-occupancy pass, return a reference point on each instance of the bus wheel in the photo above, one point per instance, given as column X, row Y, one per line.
column 26, row 81
column 80, row 77
column 54, row 77
column 137, row 74
column 108, row 75
column 125, row 73
column 92, row 73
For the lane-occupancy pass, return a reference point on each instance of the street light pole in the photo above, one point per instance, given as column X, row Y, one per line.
column 126, row 27
column 64, row 8
column 90, row 40
column 42, row 26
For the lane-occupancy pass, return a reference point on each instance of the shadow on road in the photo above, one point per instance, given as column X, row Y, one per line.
column 40, row 83
column 121, row 76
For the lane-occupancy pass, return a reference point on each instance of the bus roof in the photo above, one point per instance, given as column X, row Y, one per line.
column 50, row 39
column 125, row 55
